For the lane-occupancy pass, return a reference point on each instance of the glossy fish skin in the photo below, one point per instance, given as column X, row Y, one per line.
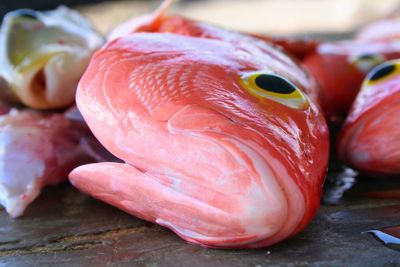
column 38, row 149
column 43, row 56
column 204, row 157
column 340, row 69
column 368, row 141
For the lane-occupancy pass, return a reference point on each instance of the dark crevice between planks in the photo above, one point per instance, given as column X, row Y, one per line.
column 73, row 242
column 7, row 243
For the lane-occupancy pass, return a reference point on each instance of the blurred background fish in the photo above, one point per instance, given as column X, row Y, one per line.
column 43, row 55
column 301, row 16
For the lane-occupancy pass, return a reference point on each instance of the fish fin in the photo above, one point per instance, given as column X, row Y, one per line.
column 146, row 23
column 199, row 119
column 162, row 10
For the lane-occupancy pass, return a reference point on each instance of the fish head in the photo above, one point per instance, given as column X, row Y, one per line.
column 369, row 139
column 340, row 69
column 44, row 55
column 233, row 123
column 252, row 84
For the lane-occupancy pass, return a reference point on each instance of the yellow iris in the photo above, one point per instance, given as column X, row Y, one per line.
column 274, row 87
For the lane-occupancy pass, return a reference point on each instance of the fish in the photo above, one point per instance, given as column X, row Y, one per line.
column 39, row 149
column 369, row 138
column 386, row 29
column 222, row 140
column 340, row 68
column 43, row 56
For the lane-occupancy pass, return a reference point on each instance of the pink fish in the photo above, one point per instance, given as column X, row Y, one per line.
column 369, row 140
column 38, row 149
column 387, row 29
column 340, row 68
column 222, row 139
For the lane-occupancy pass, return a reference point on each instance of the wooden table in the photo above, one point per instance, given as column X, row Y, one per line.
column 66, row 228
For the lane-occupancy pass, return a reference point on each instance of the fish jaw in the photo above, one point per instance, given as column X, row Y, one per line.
column 370, row 143
column 241, row 203
column 223, row 170
column 44, row 55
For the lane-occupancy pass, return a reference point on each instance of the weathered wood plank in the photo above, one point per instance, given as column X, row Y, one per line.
column 68, row 228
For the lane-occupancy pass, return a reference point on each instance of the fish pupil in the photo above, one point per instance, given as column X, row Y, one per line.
column 26, row 13
column 382, row 72
column 275, row 84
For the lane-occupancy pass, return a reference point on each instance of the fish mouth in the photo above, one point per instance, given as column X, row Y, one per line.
column 365, row 145
column 224, row 173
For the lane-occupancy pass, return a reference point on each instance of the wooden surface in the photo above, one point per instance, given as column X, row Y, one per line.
column 66, row 228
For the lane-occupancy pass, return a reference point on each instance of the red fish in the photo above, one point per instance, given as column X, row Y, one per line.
column 387, row 29
column 222, row 140
column 340, row 69
column 38, row 149
column 369, row 139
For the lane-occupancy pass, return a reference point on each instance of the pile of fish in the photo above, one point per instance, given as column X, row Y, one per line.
column 218, row 135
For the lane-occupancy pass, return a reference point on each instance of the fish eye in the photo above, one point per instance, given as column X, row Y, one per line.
column 274, row 87
column 366, row 62
column 26, row 13
column 382, row 72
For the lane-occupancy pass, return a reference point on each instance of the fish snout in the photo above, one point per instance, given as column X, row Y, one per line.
column 372, row 143
column 207, row 180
